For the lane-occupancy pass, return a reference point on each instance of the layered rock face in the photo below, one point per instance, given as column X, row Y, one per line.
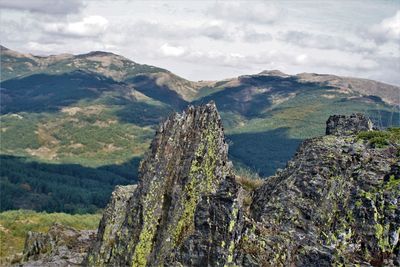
column 335, row 204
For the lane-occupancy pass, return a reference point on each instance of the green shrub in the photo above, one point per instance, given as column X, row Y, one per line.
column 379, row 142
column 368, row 135
column 381, row 139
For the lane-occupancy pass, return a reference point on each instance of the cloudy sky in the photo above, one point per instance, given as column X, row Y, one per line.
column 207, row 40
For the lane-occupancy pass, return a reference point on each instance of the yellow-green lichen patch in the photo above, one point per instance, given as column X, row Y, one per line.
column 380, row 208
column 231, row 227
column 202, row 181
column 392, row 183
column 232, row 222
column 150, row 222
column 185, row 224
column 381, row 234
column 230, row 252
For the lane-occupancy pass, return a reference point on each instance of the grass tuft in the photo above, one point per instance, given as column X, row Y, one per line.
column 248, row 179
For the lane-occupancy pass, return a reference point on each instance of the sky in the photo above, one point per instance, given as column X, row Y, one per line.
column 213, row 40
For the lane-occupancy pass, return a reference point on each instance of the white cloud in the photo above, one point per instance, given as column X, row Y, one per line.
column 170, row 50
column 388, row 29
column 88, row 26
column 54, row 7
column 301, row 59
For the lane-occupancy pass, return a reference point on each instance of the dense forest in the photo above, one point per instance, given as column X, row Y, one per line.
column 70, row 188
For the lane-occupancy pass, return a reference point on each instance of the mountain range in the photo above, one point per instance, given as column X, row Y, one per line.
column 74, row 126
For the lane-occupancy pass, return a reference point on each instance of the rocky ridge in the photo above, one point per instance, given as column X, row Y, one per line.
column 336, row 202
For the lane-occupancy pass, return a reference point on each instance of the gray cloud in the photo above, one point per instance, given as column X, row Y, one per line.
column 325, row 41
column 52, row 7
column 17, row 31
column 215, row 30
column 177, row 31
column 246, row 12
column 253, row 36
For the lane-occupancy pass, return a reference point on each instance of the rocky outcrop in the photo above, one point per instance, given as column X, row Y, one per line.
column 347, row 125
column 60, row 246
column 335, row 204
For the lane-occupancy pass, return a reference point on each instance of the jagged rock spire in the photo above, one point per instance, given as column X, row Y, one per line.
column 187, row 160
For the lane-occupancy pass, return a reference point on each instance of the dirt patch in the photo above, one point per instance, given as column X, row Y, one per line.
column 44, row 137
column 43, row 152
column 106, row 61
column 105, row 124
column 277, row 99
column 3, row 229
column 111, row 148
column 17, row 116
column 71, row 110
column 328, row 96
column 89, row 110
column 76, row 145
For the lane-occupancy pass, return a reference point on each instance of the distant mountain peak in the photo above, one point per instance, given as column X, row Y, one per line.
column 99, row 54
column 274, row 73
column 3, row 48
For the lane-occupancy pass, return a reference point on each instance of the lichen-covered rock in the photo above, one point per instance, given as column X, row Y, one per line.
column 60, row 246
column 336, row 203
column 218, row 226
column 111, row 223
column 347, row 125
column 187, row 162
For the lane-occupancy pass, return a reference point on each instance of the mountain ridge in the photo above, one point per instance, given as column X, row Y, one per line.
column 361, row 85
